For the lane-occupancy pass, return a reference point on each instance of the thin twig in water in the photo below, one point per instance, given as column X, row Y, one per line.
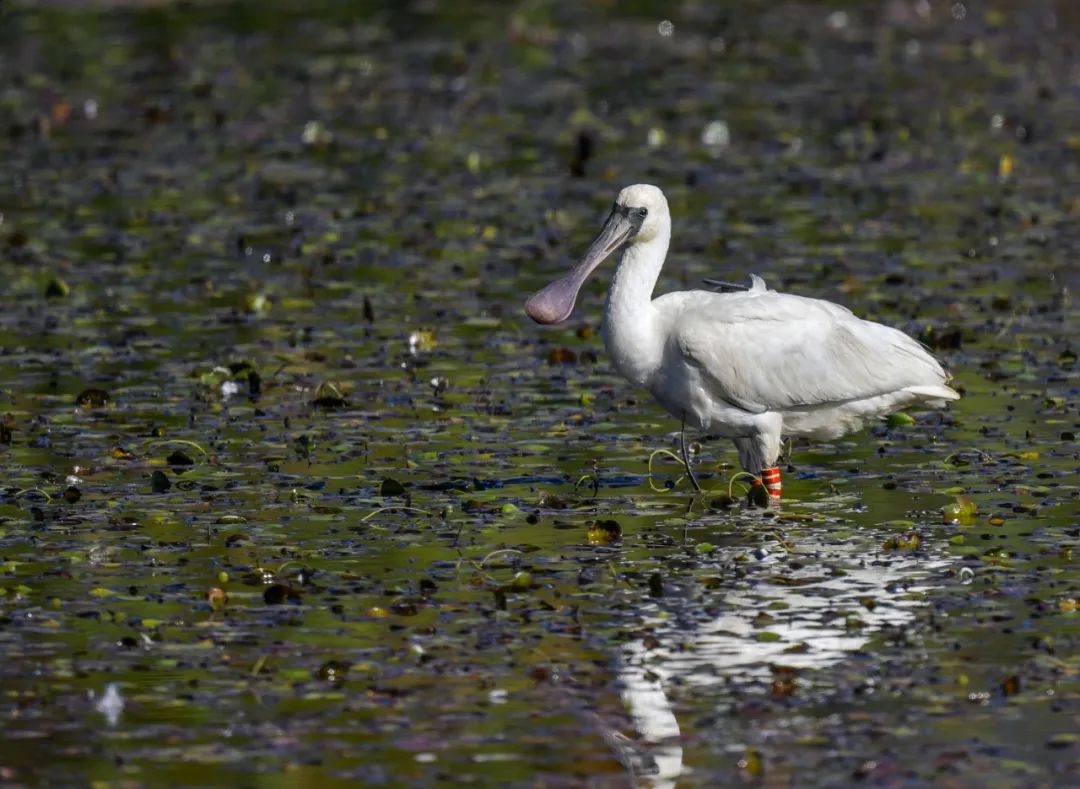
column 183, row 441
column 24, row 491
column 738, row 476
column 671, row 455
column 500, row 552
column 593, row 479
column 984, row 457
column 395, row 507
column 479, row 567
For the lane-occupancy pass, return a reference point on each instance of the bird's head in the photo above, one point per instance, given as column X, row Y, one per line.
column 646, row 208
column 640, row 214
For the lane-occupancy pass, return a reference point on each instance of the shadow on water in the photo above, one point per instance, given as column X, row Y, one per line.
column 294, row 492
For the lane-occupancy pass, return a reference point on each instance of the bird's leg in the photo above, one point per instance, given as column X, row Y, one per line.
column 761, row 451
column 770, row 478
column 785, row 450
column 766, row 488
column 686, row 457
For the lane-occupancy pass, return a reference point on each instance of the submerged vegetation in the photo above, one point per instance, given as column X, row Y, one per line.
column 291, row 486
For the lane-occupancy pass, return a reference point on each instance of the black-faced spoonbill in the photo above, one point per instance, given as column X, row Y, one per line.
column 753, row 366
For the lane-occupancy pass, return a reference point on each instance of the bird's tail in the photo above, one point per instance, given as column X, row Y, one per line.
column 933, row 392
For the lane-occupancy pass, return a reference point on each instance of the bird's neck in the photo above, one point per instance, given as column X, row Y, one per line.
column 633, row 338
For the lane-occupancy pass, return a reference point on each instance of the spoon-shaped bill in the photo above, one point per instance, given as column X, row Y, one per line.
column 554, row 303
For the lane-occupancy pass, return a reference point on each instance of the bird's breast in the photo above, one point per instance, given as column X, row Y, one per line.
column 683, row 391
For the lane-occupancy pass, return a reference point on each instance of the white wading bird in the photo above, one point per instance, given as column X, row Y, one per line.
column 753, row 366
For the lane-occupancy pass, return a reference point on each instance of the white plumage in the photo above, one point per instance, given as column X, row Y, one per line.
column 752, row 366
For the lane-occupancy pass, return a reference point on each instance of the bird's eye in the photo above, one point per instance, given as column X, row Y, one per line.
column 643, row 212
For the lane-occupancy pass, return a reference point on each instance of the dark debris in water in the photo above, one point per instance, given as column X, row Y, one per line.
column 281, row 450
column 92, row 398
column 159, row 481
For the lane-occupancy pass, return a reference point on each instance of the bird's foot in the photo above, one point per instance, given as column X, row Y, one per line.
column 770, row 479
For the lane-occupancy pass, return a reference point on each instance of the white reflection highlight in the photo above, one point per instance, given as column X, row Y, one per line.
column 817, row 618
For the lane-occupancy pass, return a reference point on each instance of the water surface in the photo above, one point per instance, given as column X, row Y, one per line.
column 338, row 511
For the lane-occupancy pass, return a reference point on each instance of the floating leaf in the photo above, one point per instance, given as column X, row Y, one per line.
column 949, row 339
column 256, row 303
column 909, row 541
column 604, row 532
column 751, row 763
column 763, row 619
column 159, row 482
column 551, row 501
column 899, row 420
column 1010, row 685
column 56, row 288
column 960, row 512
column 179, row 460
column 1063, row 740
column 783, row 680
column 217, row 598
column 758, row 496
column 328, row 396
column 1006, row 164
column 334, row 671
column 656, row 585
column 391, row 487
column 562, row 356
column 521, row 581
column 404, row 608
column 92, row 398
column 422, row 341
column 278, row 594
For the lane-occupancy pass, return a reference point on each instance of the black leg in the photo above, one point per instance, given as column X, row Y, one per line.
column 785, row 451
column 686, row 457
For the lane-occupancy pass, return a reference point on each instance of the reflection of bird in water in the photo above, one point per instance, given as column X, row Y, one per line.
column 815, row 617
column 752, row 366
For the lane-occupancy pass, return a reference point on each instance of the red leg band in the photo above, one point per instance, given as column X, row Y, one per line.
column 770, row 477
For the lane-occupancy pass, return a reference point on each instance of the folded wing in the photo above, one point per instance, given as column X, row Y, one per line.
column 768, row 351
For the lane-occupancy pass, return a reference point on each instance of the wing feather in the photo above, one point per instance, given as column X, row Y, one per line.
column 768, row 351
